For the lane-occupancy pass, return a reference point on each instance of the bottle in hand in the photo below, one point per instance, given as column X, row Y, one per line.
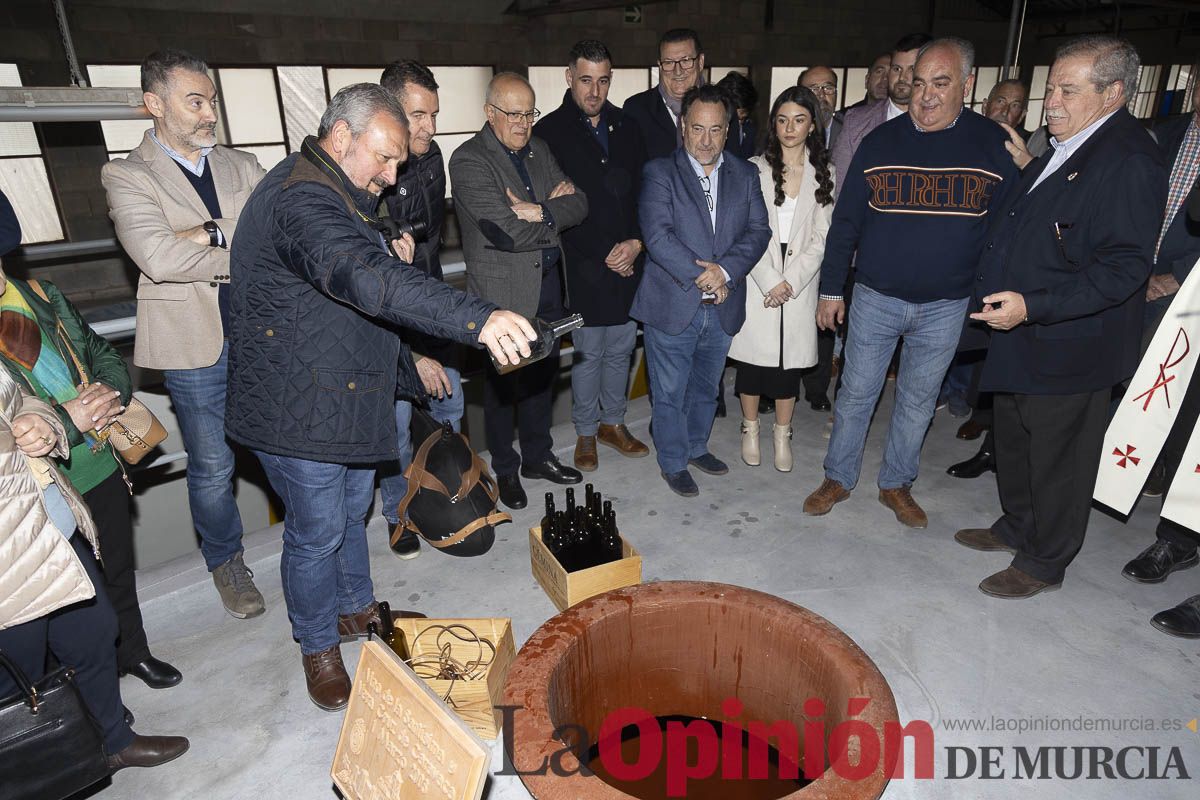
column 547, row 334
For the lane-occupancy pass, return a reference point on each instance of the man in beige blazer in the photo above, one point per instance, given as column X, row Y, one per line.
column 175, row 201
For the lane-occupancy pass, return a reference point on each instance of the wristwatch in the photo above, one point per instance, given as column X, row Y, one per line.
column 214, row 233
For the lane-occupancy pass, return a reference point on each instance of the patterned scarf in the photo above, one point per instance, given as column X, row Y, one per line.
column 25, row 344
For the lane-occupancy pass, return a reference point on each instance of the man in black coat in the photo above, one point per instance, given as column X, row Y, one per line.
column 315, row 363
column 1175, row 547
column 601, row 151
column 1061, row 284
column 419, row 199
column 657, row 110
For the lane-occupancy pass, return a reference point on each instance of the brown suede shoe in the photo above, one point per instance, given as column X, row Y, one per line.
column 827, row 495
column 906, row 509
column 981, row 539
column 328, row 683
column 585, row 454
column 148, row 751
column 620, row 439
column 354, row 626
column 1012, row 584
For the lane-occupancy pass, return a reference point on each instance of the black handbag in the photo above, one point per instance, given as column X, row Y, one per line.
column 50, row 746
column 451, row 499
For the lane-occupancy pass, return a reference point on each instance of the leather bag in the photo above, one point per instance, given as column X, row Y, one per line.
column 50, row 746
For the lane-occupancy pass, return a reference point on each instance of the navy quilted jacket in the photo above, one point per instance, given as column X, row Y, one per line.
column 313, row 369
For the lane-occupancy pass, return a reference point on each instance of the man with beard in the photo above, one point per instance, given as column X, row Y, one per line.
column 658, row 109
column 175, row 202
column 600, row 149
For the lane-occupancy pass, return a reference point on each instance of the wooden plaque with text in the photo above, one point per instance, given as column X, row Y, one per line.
column 400, row 742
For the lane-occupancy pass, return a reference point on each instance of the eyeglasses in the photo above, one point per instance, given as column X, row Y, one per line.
column 824, row 88
column 684, row 64
column 706, row 185
column 516, row 117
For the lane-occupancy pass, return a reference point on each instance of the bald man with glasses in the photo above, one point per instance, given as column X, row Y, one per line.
column 823, row 82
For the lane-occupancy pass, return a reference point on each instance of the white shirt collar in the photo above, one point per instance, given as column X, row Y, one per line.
column 1073, row 143
column 894, row 110
column 196, row 169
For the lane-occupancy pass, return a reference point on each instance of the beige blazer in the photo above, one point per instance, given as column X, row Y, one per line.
column 150, row 200
column 39, row 571
column 758, row 342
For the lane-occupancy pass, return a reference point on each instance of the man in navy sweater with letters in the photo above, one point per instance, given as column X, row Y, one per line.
column 914, row 205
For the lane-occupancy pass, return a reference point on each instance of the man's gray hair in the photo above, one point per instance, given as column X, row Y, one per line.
column 357, row 104
column 503, row 77
column 1113, row 59
column 965, row 50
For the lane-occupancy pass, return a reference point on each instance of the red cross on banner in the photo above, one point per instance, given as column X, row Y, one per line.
column 1126, row 456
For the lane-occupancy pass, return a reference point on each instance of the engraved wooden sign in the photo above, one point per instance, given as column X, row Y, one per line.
column 400, row 742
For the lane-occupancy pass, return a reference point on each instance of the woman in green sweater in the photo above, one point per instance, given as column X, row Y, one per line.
column 41, row 336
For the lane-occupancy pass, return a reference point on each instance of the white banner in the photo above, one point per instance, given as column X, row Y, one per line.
column 1137, row 432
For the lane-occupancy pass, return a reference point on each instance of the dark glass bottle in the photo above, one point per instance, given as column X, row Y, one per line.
column 556, row 539
column 611, row 540
column 548, row 333
column 546, row 520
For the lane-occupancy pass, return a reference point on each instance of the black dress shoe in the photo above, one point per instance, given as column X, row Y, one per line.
column 511, row 493
column 154, row 673
column 1182, row 620
column 552, row 470
column 973, row 467
column 819, row 402
column 766, row 405
column 128, row 716
column 1159, row 560
column 148, row 751
column 407, row 546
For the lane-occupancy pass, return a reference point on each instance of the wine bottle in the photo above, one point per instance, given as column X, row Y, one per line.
column 589, row 495
column 547, row 334
column 612, row 539
column 546, row 520
column 555, row 538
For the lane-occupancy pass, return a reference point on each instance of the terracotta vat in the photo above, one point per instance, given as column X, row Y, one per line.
column 685, row 648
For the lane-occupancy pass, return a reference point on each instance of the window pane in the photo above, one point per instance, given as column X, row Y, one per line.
column 303, row 90
column 985, row 79
column 25, row 182
column 627, row 82
column 250, row 104
column 268, row 155
column 548, row 87
column 449, row 142
column 1033, row 118
column 462, row 90
column 854, row 87
column 18, row 139
column 1037, row 90
column 341, row 78
column 716, row 73
column 782, row 78
column 124, row 134
column 9, row 76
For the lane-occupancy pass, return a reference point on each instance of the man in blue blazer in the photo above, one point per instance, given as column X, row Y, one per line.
column 705, row 226
column 1062, row 285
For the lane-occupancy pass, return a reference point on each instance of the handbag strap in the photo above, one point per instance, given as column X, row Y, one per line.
column 20, row 679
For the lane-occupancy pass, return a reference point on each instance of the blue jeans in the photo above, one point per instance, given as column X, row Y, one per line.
column 600, row 375
column 684, row 370
column 325, row 567
column 930, row 332
column 198, row 396
column 392, row 483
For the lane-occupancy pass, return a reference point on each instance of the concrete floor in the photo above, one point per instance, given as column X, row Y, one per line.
column 909, row 599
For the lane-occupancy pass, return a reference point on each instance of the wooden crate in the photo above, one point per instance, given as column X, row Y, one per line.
column 474, row 701
column 568, row 588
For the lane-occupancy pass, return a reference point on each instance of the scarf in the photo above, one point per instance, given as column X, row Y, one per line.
column 676, row 105
column 1139, row 429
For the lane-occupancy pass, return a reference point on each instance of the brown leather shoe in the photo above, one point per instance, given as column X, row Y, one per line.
column 901, row 502
column 970, row 430
column 354, row 626
column 981, row 539
column 827, row 495
column 585, row 454
column 148, row 751
column 328, row 683
column 1013, row 584
column 620, row 439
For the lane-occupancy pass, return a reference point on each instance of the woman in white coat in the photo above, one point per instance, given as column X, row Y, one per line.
column 779, row 338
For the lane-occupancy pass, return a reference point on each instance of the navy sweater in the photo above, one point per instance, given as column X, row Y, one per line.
column 915, row 208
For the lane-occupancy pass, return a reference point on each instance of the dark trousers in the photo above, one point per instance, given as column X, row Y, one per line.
column 523, row 397
column 1047, row 449
column 1172, row 455
column 816, row 379
column 109, row 504
column 82, row 636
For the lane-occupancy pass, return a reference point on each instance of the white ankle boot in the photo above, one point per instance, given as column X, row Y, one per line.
column 750, row 453
column 783, row 448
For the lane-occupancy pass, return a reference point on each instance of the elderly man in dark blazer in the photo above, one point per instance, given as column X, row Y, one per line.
column 1061, row 284
column 705, row 226
column 513, row 201
column 601, row 150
